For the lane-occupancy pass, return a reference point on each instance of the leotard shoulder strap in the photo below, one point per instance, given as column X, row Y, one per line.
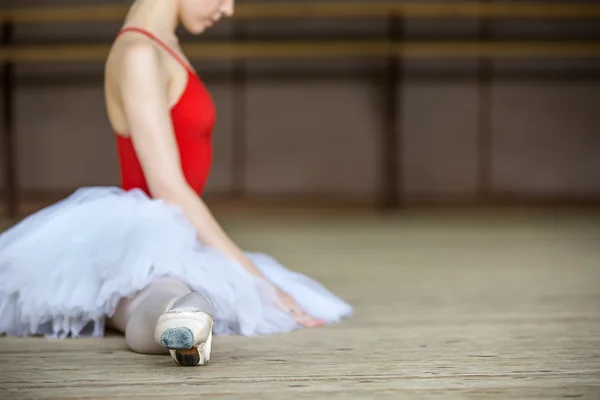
column 158, row 41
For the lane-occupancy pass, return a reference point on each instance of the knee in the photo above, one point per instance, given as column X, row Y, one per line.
column 172, row 285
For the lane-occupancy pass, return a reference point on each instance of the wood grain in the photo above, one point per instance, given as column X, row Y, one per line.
column 448, row 306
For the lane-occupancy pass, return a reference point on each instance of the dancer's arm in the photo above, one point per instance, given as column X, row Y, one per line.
column 144, row 97
column 143, row 92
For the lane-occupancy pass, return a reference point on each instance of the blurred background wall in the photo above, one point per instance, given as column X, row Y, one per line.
column 313, row 128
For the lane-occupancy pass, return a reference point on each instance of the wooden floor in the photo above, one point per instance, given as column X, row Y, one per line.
column 475, row 305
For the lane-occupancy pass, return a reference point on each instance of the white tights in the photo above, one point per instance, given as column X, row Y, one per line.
column 136, row 317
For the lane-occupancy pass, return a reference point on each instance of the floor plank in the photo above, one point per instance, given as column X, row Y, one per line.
column 478, row 305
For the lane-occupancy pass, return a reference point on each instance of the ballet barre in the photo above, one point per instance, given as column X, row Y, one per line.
column 394, row 49
column 337, row 10
column 323, row 50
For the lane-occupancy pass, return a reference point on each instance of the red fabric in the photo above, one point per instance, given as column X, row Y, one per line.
column 193, row 118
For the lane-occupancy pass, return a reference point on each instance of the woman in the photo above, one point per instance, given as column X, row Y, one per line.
column 148, row 258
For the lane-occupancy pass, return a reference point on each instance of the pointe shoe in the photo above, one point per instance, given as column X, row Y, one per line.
column 186, row 331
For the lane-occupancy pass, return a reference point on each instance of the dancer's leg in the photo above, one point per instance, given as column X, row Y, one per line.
column 137, row 317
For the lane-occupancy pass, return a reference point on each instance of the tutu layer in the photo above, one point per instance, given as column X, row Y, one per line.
column 64, row 269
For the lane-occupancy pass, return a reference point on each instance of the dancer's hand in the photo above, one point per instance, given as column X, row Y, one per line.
column 289, row 305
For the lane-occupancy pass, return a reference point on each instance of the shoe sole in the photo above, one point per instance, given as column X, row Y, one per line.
column 179, row 338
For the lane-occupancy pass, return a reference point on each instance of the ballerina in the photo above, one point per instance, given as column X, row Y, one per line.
column 148, row 259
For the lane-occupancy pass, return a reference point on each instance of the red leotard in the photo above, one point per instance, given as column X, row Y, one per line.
column 193, row 118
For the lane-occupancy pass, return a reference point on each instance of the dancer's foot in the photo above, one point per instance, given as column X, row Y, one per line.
column 185, row 329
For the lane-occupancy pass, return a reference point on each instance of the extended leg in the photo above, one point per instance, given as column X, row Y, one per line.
column 150, row 329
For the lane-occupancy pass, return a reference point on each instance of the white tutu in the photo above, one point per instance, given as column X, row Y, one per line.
column 64, row 269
